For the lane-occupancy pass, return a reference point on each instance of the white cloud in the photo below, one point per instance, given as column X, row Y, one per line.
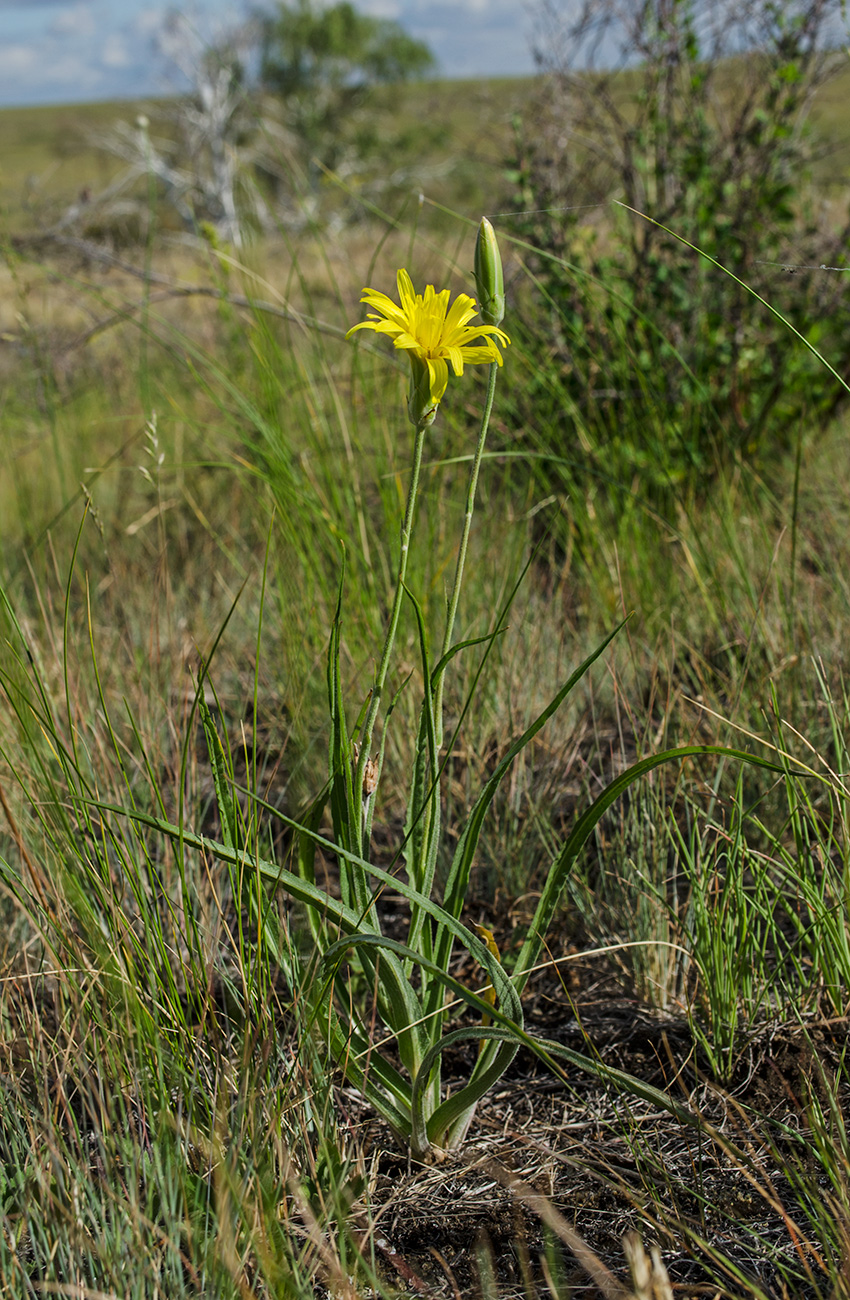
column 382, row 8
column 114, row 53
column 508, row 12
column 71, row 70
column 78, row 22
column 65, row 50
column 473, row 38
column 150, row 21
column 25, row 65
column 16, row 60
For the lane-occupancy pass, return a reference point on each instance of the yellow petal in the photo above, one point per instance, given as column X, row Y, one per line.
column 462, row 310
column 406, row 293
column 455, row 355
column 439, row 372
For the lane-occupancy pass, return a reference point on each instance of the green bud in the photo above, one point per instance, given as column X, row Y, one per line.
column 489, row 281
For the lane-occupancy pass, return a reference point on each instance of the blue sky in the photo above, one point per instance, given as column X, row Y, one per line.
column 61, row 51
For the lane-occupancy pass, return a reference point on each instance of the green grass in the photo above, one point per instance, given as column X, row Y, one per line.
column 175, row 494
column 457, row 135
column 51, row 154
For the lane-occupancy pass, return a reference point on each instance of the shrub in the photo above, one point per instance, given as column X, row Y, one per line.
column 668, row 367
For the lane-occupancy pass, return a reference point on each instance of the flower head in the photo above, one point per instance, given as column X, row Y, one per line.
column 433, row 334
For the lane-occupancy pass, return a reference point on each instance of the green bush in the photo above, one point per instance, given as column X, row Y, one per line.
column 666, row 367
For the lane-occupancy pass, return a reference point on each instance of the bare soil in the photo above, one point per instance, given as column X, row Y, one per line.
column 724, row 1206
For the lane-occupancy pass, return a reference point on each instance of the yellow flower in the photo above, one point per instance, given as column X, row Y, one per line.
column 433, row 334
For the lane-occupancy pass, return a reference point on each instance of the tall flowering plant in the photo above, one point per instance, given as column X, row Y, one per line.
column 375, row 991
column 383, row 1004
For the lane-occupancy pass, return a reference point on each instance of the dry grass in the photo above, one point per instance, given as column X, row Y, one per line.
column 163, row 1094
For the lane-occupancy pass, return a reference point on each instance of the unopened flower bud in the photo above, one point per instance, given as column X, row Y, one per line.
column 489, row 281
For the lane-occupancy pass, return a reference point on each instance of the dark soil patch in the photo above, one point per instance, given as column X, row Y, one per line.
column 736, row 1206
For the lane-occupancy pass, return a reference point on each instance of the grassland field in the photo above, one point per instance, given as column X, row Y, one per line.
column 189, row 445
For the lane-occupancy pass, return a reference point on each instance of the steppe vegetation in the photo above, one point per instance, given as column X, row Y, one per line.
column 213, row 1076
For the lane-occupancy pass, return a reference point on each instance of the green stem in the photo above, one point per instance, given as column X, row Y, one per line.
column 464, row 543
column 383, row 667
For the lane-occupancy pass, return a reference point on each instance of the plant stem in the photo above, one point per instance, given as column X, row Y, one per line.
column 383, row 667
column 464, row 543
